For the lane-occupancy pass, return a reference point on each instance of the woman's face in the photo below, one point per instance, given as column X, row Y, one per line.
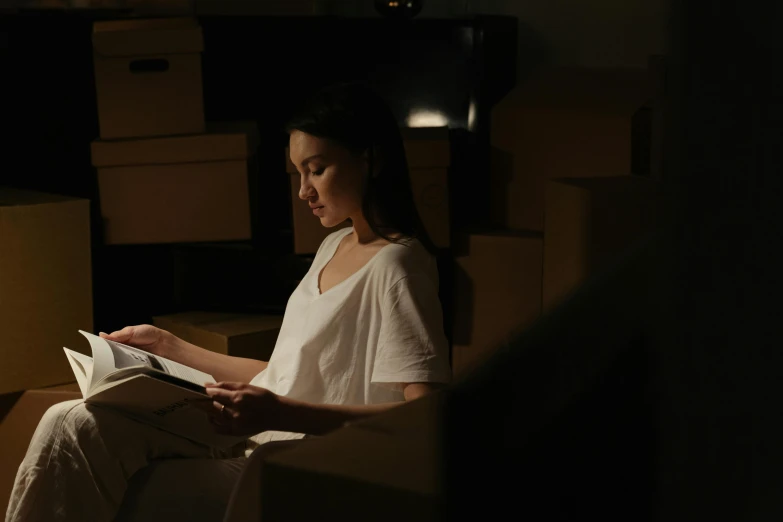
column 330, row 176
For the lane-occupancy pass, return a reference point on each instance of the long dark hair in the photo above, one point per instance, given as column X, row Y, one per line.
column 355, row 117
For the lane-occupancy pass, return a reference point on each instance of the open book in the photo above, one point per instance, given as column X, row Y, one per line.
column 146, row 387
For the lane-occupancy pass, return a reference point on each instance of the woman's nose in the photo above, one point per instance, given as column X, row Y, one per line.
column 306, row 189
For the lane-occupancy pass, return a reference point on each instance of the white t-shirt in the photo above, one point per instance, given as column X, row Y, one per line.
column 359, row 341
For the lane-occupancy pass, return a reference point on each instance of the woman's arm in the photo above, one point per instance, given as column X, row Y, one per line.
column 241, row 409
column 220, row 366
column 319, row 419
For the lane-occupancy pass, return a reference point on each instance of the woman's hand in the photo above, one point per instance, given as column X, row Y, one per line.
column 242, row 409
column 147, row 337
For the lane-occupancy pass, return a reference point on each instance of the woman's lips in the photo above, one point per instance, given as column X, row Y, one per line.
column 318, row 211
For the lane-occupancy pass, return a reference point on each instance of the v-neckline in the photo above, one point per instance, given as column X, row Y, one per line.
column 317, row 285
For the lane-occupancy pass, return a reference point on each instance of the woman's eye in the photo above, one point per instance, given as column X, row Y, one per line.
column 318, row 172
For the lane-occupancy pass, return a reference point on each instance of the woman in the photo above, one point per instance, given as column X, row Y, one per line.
column 362, row 332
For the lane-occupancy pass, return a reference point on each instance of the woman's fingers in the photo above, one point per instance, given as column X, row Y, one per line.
column 227, row 385
column 220, row 394
column 121, row 336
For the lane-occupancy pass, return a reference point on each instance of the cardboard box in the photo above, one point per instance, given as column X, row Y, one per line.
column 426, row 147
column 429, row 155
column 566, row 122
column 589, row 221
column 240, row 335
column 497, row 293
column 388, row 466
column 45, row 286
column 178, row 188
column 148, row 77
column 21, row 413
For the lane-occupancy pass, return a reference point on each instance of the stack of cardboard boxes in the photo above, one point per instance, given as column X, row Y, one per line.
column 571, row 162
column 164, row 174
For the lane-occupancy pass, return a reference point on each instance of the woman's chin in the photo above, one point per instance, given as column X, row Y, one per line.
column 329, row 223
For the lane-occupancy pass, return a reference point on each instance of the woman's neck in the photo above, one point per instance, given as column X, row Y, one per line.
column 364, row 234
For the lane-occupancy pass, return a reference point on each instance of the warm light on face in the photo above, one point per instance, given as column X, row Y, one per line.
column 425, row 118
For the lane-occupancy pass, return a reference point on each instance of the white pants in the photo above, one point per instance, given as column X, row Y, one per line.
column 81, row 458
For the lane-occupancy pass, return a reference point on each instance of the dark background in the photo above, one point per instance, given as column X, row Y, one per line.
column 254, row 68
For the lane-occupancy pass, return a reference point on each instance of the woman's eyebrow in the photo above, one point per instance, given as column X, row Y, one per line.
column 307, row 160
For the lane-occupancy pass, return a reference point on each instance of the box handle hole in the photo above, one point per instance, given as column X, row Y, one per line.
column 153, row 65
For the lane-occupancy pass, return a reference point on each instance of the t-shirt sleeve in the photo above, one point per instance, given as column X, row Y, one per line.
column 412, row 346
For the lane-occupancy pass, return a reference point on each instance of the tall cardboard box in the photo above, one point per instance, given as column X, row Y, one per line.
column 566, row 122
column 589, row 222
column 497, row 292
column 429, row 156
column 241, row 335
column 148, row 77
column 45, row 286
column 178, row 188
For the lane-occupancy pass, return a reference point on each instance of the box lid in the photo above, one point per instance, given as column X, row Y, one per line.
column 147, row 37
column 223, row 141
column 11, row 197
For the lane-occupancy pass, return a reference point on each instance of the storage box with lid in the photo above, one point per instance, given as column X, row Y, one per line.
column 148, row 77
column 178, row 189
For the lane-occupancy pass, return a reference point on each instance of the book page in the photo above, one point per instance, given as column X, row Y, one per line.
column 82, row 369
column 102, row 358
column 121, row 357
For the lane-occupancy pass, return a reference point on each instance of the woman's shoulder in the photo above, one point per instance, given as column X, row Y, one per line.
column 404, row 258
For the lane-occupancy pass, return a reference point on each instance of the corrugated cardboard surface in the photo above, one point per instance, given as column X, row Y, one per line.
column 19, row 422
column 589, row 222
column 166, row 96
column 222, row 141
column 149, row 104
column 427, row 147
column 387, row 466
column 567, row 122
column 242, row 335
column 497, row 292
column 175, row 203
column 45, row 286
